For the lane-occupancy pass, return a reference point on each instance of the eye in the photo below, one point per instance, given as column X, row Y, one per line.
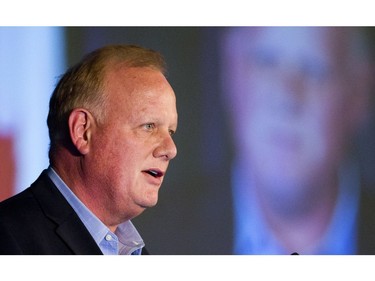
column 264, row 58
column 149, row 126
column 315, row 70
column 171, row 132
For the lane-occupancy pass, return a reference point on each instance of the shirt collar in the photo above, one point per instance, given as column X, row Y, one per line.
column 127, row 238
column 252, row 236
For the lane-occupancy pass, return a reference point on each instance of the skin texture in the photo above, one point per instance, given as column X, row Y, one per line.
column 110, row 175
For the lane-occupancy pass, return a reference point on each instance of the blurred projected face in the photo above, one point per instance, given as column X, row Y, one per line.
column 291, row 97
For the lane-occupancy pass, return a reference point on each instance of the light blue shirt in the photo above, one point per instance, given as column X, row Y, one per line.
column 253, row 236
column 126, row 239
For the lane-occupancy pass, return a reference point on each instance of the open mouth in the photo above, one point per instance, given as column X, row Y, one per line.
column 154, row 173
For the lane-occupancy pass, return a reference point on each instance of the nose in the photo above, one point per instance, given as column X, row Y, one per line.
column 290, row 88
column 166, row 148
column 291, row 79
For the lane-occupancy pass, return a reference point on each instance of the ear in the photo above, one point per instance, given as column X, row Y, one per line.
column 80, row 129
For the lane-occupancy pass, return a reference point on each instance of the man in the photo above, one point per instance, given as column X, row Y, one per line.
column 111, row 121
column 298, row 96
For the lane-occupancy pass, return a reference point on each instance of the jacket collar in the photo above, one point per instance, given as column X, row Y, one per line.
column 68, row 225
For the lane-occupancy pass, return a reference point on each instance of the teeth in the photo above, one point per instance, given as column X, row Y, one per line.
column 153, row 173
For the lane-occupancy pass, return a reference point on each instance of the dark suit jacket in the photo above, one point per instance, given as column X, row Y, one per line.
column 40, row 221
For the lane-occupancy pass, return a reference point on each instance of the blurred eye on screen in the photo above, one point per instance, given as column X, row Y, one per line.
column 264, row 58
column 315, row 70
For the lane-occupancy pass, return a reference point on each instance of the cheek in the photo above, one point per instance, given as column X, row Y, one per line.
column 121, row 157
column 328, row 123
column 248, row 102
column 113, row 155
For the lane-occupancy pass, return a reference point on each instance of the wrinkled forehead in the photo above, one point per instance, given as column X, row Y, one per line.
column 292, row 42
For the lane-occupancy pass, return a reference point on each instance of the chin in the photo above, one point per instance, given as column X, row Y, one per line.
column 151, row 202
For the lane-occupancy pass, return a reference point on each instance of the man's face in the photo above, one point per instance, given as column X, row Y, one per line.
column 132, row 150
column 292, row 103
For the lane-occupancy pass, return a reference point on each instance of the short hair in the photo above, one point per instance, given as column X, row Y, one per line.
column 83, row 86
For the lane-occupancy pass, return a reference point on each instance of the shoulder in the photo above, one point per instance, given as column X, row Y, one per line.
column 20, row 216
column 13, row 206
column 23, row 207
column 366, row 222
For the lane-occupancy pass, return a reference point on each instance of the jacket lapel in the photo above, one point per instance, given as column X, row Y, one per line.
column 77, row 237
column 69, row 226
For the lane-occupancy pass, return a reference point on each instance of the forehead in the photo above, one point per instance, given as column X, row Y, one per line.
column 120, row 74
column 136, row 88
column 292, row 42
column 127, row 82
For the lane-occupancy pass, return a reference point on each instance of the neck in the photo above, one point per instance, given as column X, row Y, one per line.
column 298, row 220
column 72, row 172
